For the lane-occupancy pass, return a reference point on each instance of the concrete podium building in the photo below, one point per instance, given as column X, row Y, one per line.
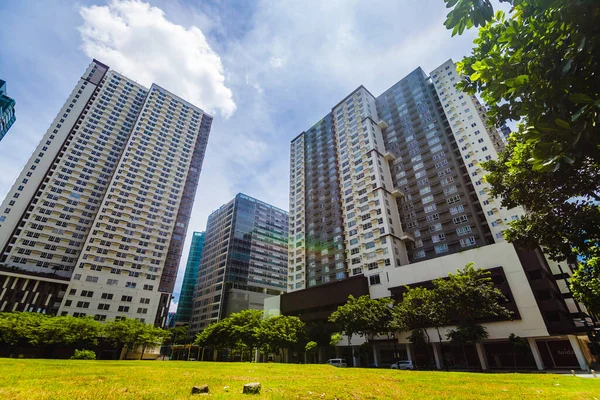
column 95, row 223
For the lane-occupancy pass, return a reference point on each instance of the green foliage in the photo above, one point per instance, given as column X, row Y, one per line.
column 21, row 328
column 540, row 64
column 84, row 355
column 461, row 298
column 564, row 217
column 310, row 346
column 467, row 333
column 278, row 332
column 335, row 339
column 247, row 329
column 178, row 334
column 25, row 328
column 420, row 308
column 132, row 333
column 585, row 284
column 418, row 338
column 364, row 316
column 469, row 295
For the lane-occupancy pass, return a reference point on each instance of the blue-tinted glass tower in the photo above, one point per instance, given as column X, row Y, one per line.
column 7, row 110
column 184, row 308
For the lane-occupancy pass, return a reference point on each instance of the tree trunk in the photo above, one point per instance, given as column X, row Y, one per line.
column 464, row 351
column 143, row 350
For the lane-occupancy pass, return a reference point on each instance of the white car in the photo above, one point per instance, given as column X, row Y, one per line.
column 337, row 362
column 403, row 364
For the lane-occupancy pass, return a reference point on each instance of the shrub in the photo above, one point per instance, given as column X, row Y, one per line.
column 84, row 355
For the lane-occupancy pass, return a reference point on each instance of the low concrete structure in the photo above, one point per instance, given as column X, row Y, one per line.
column 554, row 325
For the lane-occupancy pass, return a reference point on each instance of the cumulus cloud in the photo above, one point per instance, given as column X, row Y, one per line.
column 137, row 40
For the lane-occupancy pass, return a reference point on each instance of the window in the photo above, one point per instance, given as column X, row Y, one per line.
column 470, row 241
column 419, row 254
column 441, row 248
column 374, row 280
column 459, row 220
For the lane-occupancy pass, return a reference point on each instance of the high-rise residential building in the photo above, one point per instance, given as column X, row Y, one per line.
column 392, row 180
column 244, row 260
column 95, row 223
column 7, row 110
column 186, row 298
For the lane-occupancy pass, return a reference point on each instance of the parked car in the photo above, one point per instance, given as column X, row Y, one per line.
column 337, row 362
column 403, row 364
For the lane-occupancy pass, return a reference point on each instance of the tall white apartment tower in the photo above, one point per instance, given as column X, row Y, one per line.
column 95, row 223
column 477, row 142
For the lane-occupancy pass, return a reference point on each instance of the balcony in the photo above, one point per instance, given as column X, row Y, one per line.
column 382, row 124
column 407, row 236
column 397, row 193
column 389, row 156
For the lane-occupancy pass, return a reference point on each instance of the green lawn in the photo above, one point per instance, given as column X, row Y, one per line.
column 67, row 379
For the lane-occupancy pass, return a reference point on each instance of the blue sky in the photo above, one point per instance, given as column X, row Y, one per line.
column 267, row 70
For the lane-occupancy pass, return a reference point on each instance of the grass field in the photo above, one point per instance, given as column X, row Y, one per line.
column 71, row 379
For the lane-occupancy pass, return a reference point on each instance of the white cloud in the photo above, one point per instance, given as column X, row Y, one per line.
column 137, row 40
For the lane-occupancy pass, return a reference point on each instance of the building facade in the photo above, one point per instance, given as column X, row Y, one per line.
column 403, row 172
column 99, row 214
column 244, row 260
column 556, row 329
column 7, row 110
column 186, row 298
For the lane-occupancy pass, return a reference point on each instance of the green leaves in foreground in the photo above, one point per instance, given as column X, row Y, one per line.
column 539, row 64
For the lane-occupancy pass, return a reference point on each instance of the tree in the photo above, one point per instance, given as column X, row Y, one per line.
column 470, row 295
column 585, row 284
column 20, row 328
column 364, row 316
column 419, row 309
column 216, row 335
column 278, row 332
column 310, row 348
column 465, row 333
column 131, row 333
column 150, row 336
column 541, row 65
column 178, row 334
column 346, row 318
column 243, row 326
column 517, row 344
column 81, row 331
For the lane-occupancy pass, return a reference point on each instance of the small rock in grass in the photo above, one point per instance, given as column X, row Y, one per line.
column 226, row 388
column 200, row 389
column 251, row 388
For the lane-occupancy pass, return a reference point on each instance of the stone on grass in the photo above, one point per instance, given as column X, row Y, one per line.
column 252, row 388
column 200, row 389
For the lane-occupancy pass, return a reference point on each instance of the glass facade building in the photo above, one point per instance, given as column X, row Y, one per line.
column 244, row 260
column 7, row 110
column 184, row 307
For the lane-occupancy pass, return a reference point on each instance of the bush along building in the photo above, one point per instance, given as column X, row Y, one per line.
column 388, row 191
column 96, row 221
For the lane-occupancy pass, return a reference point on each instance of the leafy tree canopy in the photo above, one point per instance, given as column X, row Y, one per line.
column 585, row 284
column 364, row 316
column 469, row 295
column 540, row 64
